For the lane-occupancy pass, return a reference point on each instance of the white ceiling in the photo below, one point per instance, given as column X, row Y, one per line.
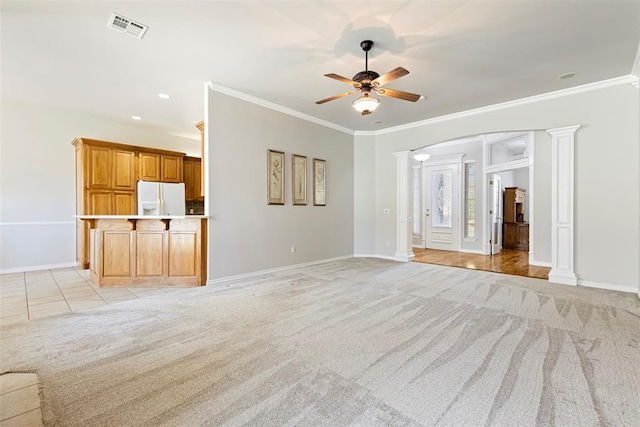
column 461, row 55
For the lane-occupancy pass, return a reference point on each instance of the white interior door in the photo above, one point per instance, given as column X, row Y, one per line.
column 495, row 213
column 442, row 207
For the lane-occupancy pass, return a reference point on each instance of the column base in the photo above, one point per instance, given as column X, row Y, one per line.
column 563, row 277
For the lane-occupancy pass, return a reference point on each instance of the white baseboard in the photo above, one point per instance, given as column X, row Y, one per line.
column 37, row 267
column 540, row 263
column 274, row 270
column 608, row 286
column 563, row 278
column 374, row 256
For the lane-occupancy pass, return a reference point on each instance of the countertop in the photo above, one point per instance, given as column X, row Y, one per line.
column 141, row 217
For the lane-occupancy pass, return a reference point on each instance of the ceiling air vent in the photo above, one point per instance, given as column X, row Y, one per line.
column 127, row 26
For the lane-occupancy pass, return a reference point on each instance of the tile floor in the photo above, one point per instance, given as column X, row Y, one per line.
column 19, row 400
column 36, row 294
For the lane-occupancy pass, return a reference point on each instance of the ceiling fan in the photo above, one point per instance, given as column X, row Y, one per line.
column 367, row 81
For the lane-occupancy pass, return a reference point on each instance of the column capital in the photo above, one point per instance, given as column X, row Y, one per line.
column 567, row 130
column 402, row 154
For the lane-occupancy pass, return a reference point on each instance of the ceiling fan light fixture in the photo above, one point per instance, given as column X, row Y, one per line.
column 366, row 103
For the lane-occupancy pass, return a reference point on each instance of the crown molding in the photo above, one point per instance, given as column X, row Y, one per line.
column 273, row 106
column 365, row 133
column 510, row 104
column 630, row 79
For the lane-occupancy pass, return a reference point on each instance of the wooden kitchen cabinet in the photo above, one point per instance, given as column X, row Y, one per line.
column 99, row 202
column 192, row 171
column 148, row 252
column 123, row 170
column 159, row 167
column 149, row 166
column 124, row 203
column 98, row 168
column 171, row 168
column 106, row 179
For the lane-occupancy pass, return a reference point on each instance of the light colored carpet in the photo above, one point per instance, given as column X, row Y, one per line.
column 355, row 342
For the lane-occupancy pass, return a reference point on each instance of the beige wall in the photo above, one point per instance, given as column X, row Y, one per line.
column 247, row 235
column 607, row 196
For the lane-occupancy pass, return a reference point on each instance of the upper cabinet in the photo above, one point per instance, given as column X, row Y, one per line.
column 149, row 166
column 110, row 168
column 171, row 168
column 123, row 169
column 192, row 170
column 160, row 167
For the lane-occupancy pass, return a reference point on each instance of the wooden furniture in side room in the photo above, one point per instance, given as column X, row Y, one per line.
column 515, row 231
column 139, row 251
column 106, row 177
column 515, row 235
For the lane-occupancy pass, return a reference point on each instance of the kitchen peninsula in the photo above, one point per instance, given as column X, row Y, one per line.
column 133, row 250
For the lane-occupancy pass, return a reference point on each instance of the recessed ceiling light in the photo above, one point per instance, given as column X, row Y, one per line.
column 163, row 95
column 566, row 76
column 136, row 117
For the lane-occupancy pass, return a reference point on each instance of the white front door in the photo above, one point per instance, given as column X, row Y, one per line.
column 495, row 213
column 442, row 207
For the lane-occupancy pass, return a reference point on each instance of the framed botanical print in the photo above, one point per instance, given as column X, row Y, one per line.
column 275, row 177
column 299, row 179
column 319, row 182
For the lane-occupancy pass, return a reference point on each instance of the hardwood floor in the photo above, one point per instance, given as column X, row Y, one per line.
column 509, row 261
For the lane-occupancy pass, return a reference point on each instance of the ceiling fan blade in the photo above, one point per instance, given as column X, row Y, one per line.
column 331, row 98
column 389, row 77
column 344, row 80
column 406, row 96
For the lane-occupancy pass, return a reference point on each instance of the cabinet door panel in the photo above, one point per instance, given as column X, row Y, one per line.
column 123, row 171
column 150, row 253
column 189, row 187
column 117, row 253
column 197, row 187
column 99, row 168
column 99, row 203
column 182, row 254
column 149, row 167
column 171, row 169
column 124, row 203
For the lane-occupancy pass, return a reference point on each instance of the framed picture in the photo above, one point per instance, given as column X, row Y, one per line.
column 299, row 179
column 319, row 182
column 275, row 177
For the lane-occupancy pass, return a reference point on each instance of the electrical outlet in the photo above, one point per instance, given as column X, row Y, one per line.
column 293, row 249
column 388, row 243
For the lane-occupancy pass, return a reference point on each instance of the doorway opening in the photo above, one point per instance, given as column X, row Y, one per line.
column 473, row 204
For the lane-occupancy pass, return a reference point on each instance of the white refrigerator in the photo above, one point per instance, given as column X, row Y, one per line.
column 160, row 199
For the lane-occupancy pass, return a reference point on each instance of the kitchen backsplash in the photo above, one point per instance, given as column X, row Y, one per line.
column 194, row 208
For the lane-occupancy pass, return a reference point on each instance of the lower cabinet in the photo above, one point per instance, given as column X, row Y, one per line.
column 148, row 252
column 515, row 235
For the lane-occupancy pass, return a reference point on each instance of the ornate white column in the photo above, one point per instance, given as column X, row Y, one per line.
column 562, row 202
column 404, row 229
